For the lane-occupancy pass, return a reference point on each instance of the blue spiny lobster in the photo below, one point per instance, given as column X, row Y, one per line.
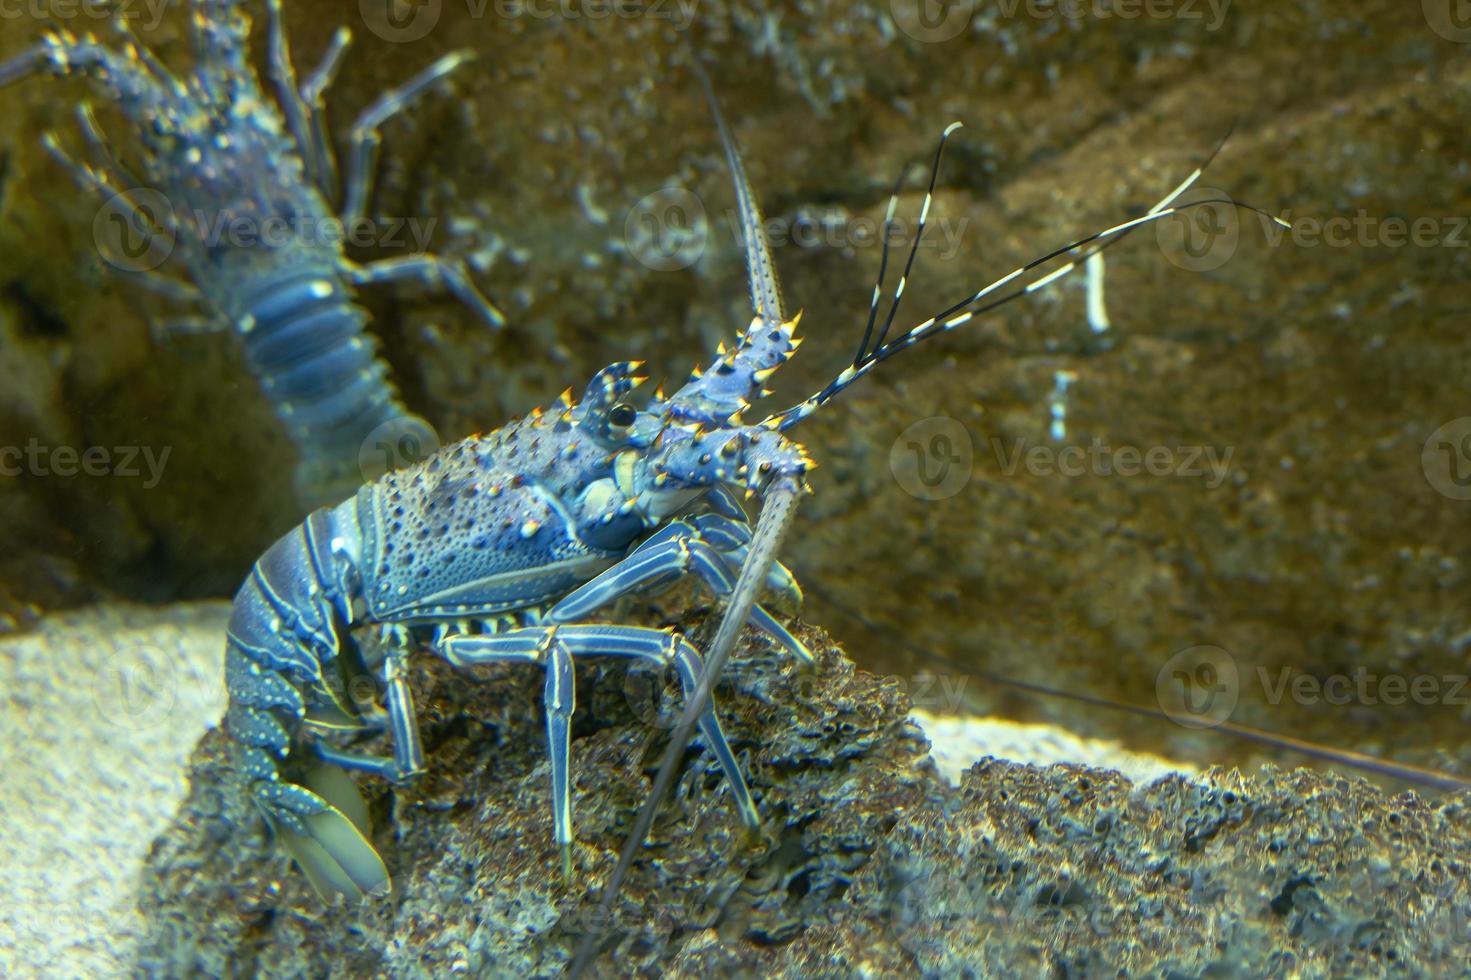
column 501, row 548
column 216, row 156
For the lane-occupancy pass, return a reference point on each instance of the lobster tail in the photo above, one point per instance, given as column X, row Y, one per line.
column 306, row 343
column 282, row 633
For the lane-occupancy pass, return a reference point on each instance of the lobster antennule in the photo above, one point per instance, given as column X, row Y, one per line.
column 977, row 304
column 878, row 286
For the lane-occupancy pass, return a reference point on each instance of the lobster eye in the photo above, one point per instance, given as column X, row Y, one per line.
column 622, row 415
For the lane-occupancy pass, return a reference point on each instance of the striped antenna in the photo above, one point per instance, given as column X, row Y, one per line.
column 719, row 394
column 878, row 286
column 978, row 304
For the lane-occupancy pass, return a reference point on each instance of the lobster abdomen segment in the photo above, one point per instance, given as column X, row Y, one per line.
column 306, row 342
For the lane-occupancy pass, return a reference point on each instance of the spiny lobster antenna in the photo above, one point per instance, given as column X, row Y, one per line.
column 760, row 270
column 973, row 306
column 1435, row 779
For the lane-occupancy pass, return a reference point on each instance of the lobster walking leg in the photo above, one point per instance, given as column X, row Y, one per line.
column 677, row 550
column 434, row 271
column 407, row 760
column 100, row 148
column 366, row 139
column 553, row 647
column 732, row 538
column 301, row 102
column 312, row 92
column 288, row 93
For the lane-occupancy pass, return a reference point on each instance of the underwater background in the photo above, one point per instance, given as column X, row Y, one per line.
column 1241, row 501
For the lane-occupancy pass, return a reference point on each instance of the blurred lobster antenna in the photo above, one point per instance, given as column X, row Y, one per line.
column 1435, row 779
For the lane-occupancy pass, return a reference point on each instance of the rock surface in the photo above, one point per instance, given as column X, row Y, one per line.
column 870, row 864
column 113, row 698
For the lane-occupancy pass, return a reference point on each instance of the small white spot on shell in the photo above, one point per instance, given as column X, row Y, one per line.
column 530, row 528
